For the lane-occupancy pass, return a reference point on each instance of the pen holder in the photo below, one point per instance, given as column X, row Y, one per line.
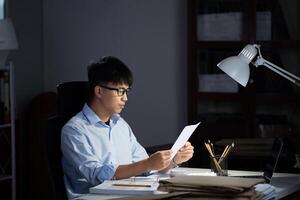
column 219, row 165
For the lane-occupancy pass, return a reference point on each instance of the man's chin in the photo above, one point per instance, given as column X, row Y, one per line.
column 119, row 111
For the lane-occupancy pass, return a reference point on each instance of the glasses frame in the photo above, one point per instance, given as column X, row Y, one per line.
column 120, row 91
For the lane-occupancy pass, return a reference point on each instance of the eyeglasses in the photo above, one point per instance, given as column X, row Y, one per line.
column 120, row 91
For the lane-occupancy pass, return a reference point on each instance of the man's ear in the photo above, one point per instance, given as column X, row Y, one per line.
column 98, row 91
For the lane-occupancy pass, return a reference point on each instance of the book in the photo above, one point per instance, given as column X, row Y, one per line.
column 126, row 187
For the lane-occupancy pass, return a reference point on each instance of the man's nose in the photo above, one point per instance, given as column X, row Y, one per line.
column 124, row 97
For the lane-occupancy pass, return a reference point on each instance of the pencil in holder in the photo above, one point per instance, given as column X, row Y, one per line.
column 219, row 165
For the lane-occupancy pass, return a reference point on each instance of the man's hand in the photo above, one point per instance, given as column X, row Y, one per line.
column 159, row 160
column 184, row 154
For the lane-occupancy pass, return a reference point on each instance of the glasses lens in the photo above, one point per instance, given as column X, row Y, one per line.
column 122, row 91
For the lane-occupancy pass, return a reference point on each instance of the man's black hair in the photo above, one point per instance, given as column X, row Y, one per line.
column 108, row 69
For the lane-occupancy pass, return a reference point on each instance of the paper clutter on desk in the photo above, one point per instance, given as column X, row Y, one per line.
column 213, row 186
column 267, row 191
column 126, row 187
column 183, row 172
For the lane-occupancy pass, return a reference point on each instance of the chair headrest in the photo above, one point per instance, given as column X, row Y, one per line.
column 71, row 98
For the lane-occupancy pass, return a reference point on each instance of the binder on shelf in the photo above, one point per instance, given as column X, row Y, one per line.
column 219, row 26
column 228, row 26
column 217, row 83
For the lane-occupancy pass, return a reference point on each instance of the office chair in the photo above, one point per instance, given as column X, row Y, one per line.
column 53, row 128
column 71, row 98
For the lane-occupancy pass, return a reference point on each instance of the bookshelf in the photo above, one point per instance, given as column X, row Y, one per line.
column 7, row 133
column 221, row 28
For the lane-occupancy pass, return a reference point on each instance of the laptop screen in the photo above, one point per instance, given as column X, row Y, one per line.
column 272, row 160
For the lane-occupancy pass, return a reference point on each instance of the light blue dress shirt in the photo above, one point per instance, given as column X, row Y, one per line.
column 92, row 150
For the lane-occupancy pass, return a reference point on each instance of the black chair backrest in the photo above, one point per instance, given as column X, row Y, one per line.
column 52, row 138
column 71, row 98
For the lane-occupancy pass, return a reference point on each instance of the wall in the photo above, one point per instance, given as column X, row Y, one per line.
column 28, row 58
column 150, row 36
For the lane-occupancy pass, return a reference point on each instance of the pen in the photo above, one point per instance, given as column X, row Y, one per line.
column 229, row 148
column 225, row 152
column 218, row 167
column 212, row 146
column 131, row 185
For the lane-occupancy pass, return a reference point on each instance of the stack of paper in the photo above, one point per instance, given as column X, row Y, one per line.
column 168, row 196
column 267, row 190
column 213, row 186
column 126, row 187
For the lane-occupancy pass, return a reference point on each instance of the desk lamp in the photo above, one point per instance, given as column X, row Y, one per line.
column 8, row 39
column 237, row 67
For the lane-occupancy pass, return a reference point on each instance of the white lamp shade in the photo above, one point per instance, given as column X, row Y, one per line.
column 236, row 68
column 8, row 39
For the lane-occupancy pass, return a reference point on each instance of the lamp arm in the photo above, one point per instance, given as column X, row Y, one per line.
column 291, row 77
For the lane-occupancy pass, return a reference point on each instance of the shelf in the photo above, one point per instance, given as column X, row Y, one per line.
column 219, row 96
column 5, row 125
column 4, row 68
column 278, row 98
column 262, row 98
column 220, row 44
column 4, row 178
column 7, row 104
column 230, row 114
column 280, row 43
column 240, row 44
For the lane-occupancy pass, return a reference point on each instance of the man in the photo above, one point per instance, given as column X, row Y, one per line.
column 97, row 144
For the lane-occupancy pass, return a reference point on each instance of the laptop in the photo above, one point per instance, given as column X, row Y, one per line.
column 269, row 164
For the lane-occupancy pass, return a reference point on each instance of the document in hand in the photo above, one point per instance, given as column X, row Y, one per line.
column 183, row 138
column 126, row 187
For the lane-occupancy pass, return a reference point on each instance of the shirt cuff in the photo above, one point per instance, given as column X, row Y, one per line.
column 107, row 172
column 145, row 174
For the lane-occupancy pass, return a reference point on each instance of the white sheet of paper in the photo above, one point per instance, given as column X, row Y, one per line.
column 183, row 138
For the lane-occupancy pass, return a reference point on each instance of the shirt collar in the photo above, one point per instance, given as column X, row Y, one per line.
column 93, row 117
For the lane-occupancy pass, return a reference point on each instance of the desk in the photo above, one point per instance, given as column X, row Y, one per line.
column 284, row 183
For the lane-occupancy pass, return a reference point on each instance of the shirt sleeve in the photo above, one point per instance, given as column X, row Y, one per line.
column 138, row 151
column 77, row 151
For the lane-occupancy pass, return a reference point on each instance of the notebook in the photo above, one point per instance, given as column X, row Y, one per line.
column 270, row 163
column 126, row 187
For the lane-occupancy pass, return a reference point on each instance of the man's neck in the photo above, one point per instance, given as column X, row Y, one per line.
column 104, row 116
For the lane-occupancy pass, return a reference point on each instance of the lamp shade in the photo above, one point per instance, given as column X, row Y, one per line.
column 8, row 39
column 237, row 67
